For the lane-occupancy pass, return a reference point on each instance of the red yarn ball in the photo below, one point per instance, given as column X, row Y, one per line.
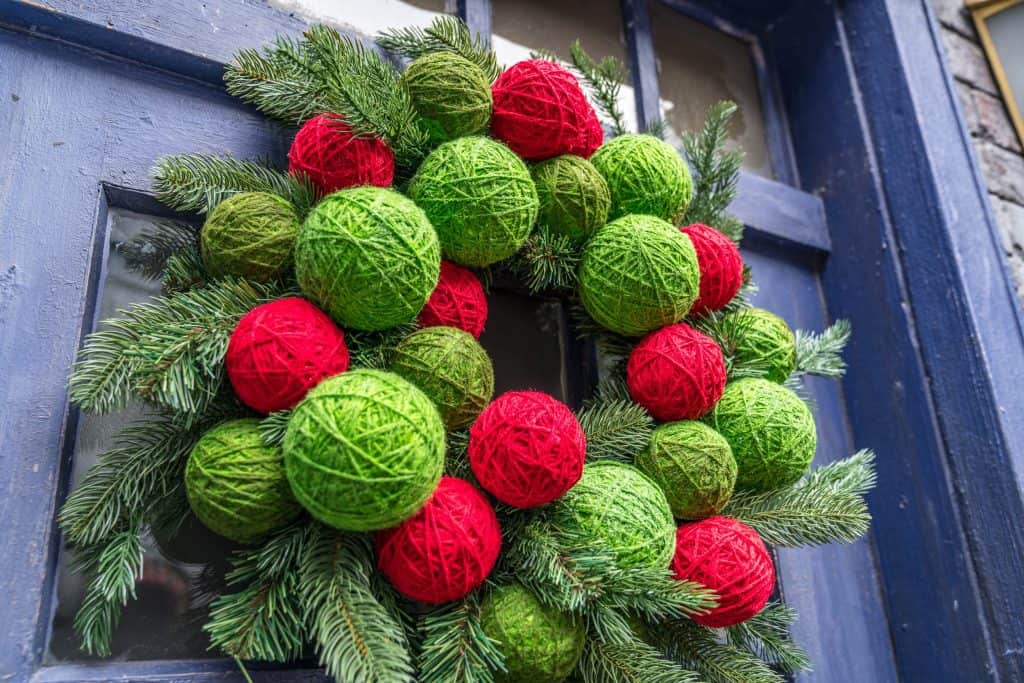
column 281, row 350
column 527, row 448
column 540, row 111
column 721, row 267
column 327, row 151
column 446, row 549
column 458, row 300
column 728, row 557
column 676, row 373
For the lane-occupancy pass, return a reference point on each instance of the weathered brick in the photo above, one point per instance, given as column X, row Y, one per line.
column 968, row 62
column 953, row 14
column 987, row 117
column 1010, row 219
column 1003, row 171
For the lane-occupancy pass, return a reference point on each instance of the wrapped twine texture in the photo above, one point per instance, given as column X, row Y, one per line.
column 280, row 350
column 451, row 94
column 728, row 557
column 364, row 450
column 447, row 549
column 574, row 198
column 527, row 448
column 645, row 175
column 250, row 234
column 236, row 484
column 458, row 300
column 721, row 267
column 369, row 257
column 764, row 339
column 326, row 151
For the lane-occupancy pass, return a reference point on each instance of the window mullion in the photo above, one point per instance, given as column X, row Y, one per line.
column 477, row 15
column 642, row 62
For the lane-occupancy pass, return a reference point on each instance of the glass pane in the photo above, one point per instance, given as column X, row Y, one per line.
column 698, row 66
column 368, row 18
column 165, row 621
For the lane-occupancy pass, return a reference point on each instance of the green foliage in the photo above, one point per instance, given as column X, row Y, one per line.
column 827, row 506
column 724, row 329
column 616, row 429
column 716, row 172
column 633, row 661
column 274, row 426
column 445, row 34
column 281, row 81
column 548, row 261
column 604, row 80
column 766, row 636
column 455, row 647
column 456, row 459
column 147, row 253
column 374, row 349
column 821, row 354
column 697, row 648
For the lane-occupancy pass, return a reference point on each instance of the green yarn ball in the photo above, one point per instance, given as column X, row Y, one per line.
column 250, row 235
column 574, row 198
column 236, row 483
column 539, row 643
column 451, row 94
column 480, row 198
column 364, row 450
column 763, row 339
column 451, row 368
column 638, row 273
column 622, row 510
column 645, row 175
column 693, row 465
column 770, row 430
column 369, row 257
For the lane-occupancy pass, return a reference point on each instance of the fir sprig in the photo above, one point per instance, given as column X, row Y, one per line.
column 548, row 261
column 281, row 81
column 630, row 662
column 446, row 33
column 615, row 429
column 455, row 647
column 374, row 349
column 725, row 329
column 148, row 252
column 603, row 79
column 274, row 426
column 716, row 172
column 766, row 636
column 698, row 648
column 821, row 353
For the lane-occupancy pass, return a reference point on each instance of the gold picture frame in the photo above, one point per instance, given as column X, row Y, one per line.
column 981, row 11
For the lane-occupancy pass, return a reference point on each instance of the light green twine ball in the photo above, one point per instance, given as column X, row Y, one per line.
column 249, row 235
column 645, row 175
column 369, row 257
column 236, row 484
column 574, row 198
column 364, row 450
column 539, row 643
column 451, row 94
column 638, row 273
column 622, row 510
column 480, row 198
column 770, row 430
column 764, row 339
column 693, row 465
column 451, row 368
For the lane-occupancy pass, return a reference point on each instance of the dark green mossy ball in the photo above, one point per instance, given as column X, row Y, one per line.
column 645, row 175
column 451, row 368
column 236, row 484
column 451, row 94
column 480, row 198
column 764, row 339
column 574, row 198
column 770, row 430
column 619, row 508
column 539, row 643
column 364, row 450
column 369, row 257
column 638, row 273
column 250, row 235
column 693, row 465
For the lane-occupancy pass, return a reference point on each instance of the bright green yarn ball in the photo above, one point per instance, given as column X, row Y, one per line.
column 638, row 273
column 250, row 235
column 645, row 175
column 574, row 198
column 369, row 257
column 480, row 198
column 622, row 510
column 693, row 465
column 451, row 94
column 364, row 450
column 770, row 430
column 451, row 368
column 236, row 483
column 539, row 643
column 763, row 339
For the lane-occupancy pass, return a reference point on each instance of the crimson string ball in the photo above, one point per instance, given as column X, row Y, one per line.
column 527, row 448
column 676, row 373
column 327, row 152
column 540, row 111
column 721, row 268
column 458, row 300
column 727, row 556
column 446, row 549
column 281, row 350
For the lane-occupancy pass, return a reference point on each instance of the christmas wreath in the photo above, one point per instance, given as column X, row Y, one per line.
column 319, row 395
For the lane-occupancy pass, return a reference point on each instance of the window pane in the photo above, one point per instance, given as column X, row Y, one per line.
column 368, row 17
column 698, row 66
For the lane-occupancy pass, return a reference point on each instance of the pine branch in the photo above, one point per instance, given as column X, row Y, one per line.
column 456, row 463
column 374, row 349
column 631, row 662
column 766, row 636
column 716, row 170
column 821, row 354
column 724, row 329
column 147, row 253
column 198, row 182
column 184, row 270
column 548, row 261
column 657, row 128
column 604, row 80
column 446, row 33
column 455, row 647
column 274, row 426
column 827, row 506
column 696, row 647
column 616, row 430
